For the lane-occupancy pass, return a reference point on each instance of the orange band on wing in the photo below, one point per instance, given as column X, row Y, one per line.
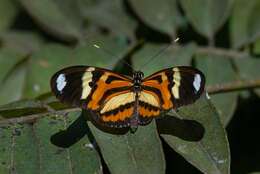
column 163, row 87
column 120, row 116
column 102, row 87
column 144, row 112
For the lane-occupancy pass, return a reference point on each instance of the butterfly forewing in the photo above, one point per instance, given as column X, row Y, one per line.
column 188, row 85
column 88, row 87
column 175, row 86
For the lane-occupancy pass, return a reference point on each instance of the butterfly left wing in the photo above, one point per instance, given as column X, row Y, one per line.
column 102, row 91
column 172, row 88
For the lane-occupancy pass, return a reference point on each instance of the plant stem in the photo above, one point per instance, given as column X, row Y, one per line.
column 234, row 86
column 227, row 53
column 214, row 89
column 211, row 41
column 33, row 117
column 222, row 52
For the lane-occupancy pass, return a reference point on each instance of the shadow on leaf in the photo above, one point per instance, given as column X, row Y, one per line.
column 72, row 134
column 112, row 130
column 188, row 130
column 78, row 129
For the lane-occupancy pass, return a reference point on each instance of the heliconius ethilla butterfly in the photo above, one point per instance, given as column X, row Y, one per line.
column 121, row 101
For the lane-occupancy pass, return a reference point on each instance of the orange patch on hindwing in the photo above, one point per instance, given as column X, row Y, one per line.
column 144, row 112
column 119, row 116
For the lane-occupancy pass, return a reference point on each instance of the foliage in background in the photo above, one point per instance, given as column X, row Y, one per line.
column 39, row 37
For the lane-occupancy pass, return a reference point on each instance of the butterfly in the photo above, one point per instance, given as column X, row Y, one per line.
column 122, row 101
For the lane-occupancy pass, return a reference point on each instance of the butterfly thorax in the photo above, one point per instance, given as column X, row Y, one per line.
column 137, row 88
column 137, row 79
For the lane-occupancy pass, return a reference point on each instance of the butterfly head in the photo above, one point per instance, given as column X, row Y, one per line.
column 138, row 76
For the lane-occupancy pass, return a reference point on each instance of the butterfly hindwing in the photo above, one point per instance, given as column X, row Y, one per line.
column 148, row 107
column 118, row 110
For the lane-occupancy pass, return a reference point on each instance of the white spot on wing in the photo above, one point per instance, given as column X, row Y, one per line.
column 197, row 82
column 61, row 82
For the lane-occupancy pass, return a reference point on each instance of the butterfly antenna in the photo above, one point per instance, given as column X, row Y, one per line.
column 160, row 52
column 112, row 54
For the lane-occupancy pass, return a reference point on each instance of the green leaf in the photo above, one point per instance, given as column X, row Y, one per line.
column 149, row 61
column 244, row 25
column 253, row 23
column 207, row 16
column 61, row 18
column 249, row 69
column 109, row 18
column 42, row 65
column 34, row 76
column 8, row 11
column 211, row 153
column 12, row 75
column 22, row 108
column 26, row 148
column 21, row 42
column 140, row 152
column 21, row 104
column 8, row 60
column 210, row 66
column 51, row 58
column 12, row 88
column 102, row 52
column 160, row 15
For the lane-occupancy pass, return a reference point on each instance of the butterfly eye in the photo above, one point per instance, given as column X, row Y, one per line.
column 138, row 75
column 141, row 75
